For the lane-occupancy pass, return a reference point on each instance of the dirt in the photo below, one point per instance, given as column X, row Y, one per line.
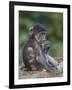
column 23, row 74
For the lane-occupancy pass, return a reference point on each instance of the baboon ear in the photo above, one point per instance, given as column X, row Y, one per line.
column 31, row 30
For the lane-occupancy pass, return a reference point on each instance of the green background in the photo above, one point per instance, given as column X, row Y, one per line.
column 54, row 24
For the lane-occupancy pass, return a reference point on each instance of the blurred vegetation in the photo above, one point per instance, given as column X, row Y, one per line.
column 54, row 24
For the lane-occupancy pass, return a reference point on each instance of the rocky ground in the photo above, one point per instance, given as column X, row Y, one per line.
column 23, row 74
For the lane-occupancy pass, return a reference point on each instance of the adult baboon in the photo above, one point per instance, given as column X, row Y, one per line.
column 35, row 51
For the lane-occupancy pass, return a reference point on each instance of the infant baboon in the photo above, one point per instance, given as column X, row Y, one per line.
column 35, row 51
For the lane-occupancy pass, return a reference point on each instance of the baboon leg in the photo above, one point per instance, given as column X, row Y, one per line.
column 52, row 61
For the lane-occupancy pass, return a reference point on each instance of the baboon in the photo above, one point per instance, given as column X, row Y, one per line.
column 35, row 51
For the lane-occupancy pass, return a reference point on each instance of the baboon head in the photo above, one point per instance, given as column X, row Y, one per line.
column 40, row 33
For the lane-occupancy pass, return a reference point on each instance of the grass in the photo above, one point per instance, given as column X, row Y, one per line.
column 56, row 50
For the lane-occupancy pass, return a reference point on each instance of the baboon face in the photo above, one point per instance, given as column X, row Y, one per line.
column 40, row 36
column 44, row 43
